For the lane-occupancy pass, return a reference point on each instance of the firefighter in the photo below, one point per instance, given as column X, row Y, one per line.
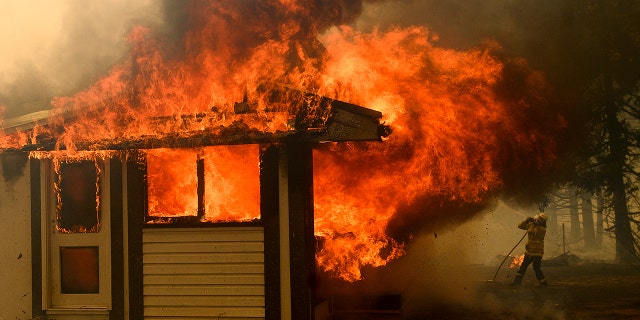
column 534, row 249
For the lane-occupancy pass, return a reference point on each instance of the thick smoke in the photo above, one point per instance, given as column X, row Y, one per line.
column 87, row 39
column 547, row 35
column 540, row 46
column 83, row 40
column 57, row 48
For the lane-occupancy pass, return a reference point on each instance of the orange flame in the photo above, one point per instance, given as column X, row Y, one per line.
column 75, row 186
column 464, row 122
column 517, row 261
column 230, row 177
column 232, row 189
column 172, row 182
column 453, row 139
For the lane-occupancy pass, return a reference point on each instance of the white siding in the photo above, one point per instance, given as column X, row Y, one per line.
column 15, row 236
column 203, row 273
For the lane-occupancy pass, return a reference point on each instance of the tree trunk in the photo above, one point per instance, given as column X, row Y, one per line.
column 599, row 218
column 575, row 234
column 624, row 239
column 552, row 212
column 587, row 222
column 625, row 252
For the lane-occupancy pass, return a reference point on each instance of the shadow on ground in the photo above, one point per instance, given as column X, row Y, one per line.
column 585, row 291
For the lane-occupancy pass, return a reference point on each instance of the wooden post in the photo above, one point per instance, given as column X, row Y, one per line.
column 301, row 231
column 117, row 240
column 136, row 208
column 270, row 215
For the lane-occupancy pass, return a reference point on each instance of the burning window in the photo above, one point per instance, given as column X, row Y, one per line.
column 78, row 205
column 79, row 272
column 212, row 184
column 172, row 182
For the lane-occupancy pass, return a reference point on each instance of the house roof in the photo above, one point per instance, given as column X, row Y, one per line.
column 25, row 122
column 314, row 119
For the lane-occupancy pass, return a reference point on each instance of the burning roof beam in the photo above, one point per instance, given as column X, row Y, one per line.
column 315, row 119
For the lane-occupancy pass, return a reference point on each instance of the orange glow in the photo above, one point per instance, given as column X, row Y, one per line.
column 75, row 190
column 231, row 180
column 451, row 130
column 517, row 261
column 232, row 183
column 11, row 139
column 458, row 128
column 172, row 182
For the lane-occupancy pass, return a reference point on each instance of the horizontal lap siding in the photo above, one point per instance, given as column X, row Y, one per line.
column 203, row 273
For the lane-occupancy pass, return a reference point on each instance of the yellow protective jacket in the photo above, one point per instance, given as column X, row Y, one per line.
column 535, row 240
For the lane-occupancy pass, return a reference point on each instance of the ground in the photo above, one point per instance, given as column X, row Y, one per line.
column 583, row 291
column 576, row 291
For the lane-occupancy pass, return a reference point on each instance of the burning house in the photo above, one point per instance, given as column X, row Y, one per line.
column 209, row 223
column 183, row 182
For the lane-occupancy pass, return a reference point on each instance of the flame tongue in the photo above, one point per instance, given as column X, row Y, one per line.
column 517, row 261
column 228, row 180
column 457, row 141
column 466, row 125
column 172, row 182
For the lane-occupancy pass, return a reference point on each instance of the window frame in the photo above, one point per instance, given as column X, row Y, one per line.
column 52, row 239
column 192, row 221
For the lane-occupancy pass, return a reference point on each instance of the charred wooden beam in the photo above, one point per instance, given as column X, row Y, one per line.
column 167, row 141
column 314, row 119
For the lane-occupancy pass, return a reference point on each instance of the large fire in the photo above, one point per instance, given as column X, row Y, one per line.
column 462, row 121
column 231, row 176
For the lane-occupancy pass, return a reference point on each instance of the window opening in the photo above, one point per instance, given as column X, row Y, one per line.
column 172, row 183
column 78, row 197
column 79, row 270
column 232, row 183
column 212, row 184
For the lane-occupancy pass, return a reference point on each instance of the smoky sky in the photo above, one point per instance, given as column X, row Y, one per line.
column 55, row 48
column 60, row 47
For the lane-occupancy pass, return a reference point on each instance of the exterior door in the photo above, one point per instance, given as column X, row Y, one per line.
column 77, row 255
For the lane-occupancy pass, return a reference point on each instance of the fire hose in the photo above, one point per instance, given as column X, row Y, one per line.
column 507, row 256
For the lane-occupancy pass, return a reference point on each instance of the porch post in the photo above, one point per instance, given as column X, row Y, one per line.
column 135, row 194
column 301, row 230
column 270, row 215
column 117, row 241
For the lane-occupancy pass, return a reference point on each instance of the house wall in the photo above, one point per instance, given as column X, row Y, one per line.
column 204, row 273
column 15, row 236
